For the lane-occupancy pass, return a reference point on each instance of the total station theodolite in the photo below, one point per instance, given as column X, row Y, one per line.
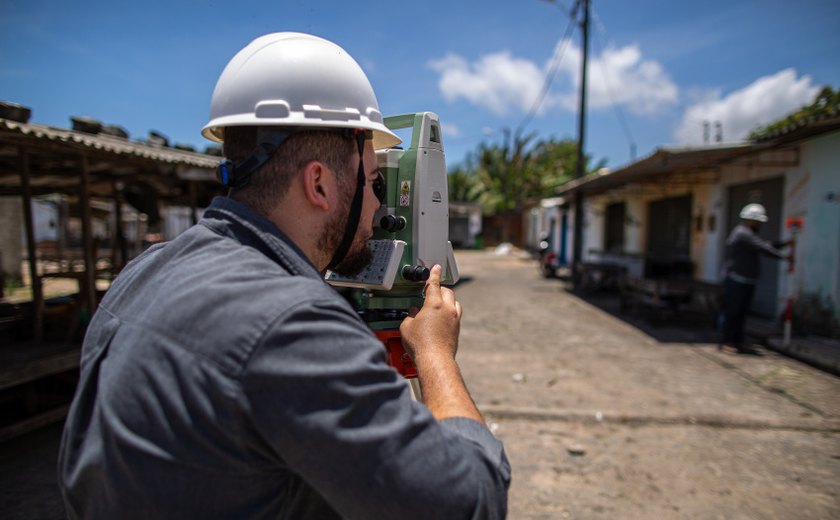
column 410, row 235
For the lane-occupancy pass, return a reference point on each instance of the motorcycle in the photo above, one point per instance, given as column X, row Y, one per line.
column 547, row 260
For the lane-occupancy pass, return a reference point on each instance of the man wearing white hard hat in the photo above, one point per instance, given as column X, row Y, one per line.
column 223, row 378
column 744, row 249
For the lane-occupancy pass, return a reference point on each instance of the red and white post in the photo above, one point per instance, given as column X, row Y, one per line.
column 794, row 225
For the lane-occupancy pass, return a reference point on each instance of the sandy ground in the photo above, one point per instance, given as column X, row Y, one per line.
column 603, row 420
column 602, row 417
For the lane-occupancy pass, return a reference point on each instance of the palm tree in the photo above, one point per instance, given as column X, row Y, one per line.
column 502, row 177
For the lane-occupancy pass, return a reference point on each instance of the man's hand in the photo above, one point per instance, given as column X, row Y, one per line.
column 431, row 338
column 433, row 331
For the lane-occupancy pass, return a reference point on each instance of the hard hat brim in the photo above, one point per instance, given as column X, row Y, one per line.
column 756, row 219
column 382, row 136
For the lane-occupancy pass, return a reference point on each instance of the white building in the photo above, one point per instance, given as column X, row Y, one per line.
column 669, row 214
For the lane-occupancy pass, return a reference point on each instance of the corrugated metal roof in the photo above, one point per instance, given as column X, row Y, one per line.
column 110, row 144
column 662, row 161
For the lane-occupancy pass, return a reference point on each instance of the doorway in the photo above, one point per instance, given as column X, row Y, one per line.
column 768, row 193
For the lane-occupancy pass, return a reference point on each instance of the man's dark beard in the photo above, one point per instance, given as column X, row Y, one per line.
column 358, row 256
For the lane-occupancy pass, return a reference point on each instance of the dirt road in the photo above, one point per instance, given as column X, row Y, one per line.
column 601, row 420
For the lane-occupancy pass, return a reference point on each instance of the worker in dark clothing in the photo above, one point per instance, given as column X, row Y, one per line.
column 222, row 377
column 742, row 268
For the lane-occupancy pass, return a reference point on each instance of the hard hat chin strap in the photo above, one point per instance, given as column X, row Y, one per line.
column 355, row 207
column 236, row 174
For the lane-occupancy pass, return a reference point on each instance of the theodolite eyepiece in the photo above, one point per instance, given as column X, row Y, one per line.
column 392, row 224
column 416, row 273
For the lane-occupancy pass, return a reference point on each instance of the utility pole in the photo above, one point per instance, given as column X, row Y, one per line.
column 577, row 243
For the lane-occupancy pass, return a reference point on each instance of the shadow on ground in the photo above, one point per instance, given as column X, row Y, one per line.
column 684, row 325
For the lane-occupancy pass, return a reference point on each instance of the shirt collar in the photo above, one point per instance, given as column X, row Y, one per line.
column 274, row 242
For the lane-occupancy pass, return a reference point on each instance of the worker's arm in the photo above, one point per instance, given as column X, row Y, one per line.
column 764, row 246
column 431, row 337
column 320, row 393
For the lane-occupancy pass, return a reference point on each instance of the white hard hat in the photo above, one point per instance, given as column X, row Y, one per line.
column 299, row 80
column 754, row 212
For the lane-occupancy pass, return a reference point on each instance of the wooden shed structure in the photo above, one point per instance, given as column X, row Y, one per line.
column 94, row 171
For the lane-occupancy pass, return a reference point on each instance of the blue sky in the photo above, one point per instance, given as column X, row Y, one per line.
column 662, row 66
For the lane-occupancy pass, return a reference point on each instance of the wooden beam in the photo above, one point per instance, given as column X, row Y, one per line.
column 89, row 280
column 193, row 189
column 43, row 363
column 29, row 224
column 33, row 423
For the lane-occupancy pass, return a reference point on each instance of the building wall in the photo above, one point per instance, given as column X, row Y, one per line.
column 594, row 212
column 464, row 224
column 634, row 236
column 636, row 199
column 541, row 218
column 715, row 231
column 811, row 179
column 816, row 198
column 752, row 169
column 811, row 191
column 703, row 233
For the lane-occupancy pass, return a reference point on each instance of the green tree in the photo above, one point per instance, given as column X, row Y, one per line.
column 504, row 176
column 826, row 102
column 463, row 185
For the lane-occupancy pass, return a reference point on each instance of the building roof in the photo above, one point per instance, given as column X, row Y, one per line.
column 812, row 126
column 106, row 143
column 663, row 161
column 673, row 161
column 55, row 157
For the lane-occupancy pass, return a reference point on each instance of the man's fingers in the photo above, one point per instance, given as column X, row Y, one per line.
column 433, row 283
column 458, row 309
column 447, row 295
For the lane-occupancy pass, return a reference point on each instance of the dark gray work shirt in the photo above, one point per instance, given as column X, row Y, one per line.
column 222, row 378
column 743, row 250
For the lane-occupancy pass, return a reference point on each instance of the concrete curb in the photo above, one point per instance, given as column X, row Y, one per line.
column 822, row 353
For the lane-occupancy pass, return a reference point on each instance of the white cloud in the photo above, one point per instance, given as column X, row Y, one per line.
column 450, row 130
column 503, row 83
column 763, row 101
column 498, row 82
column 620, row 76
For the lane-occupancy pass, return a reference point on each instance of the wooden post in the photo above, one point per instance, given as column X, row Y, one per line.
column 580, row 171
column 89, row 279
column 118, row 240
column 37, row 292
column 193, row 202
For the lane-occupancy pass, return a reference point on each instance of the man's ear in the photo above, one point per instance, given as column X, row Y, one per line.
column 318, row 184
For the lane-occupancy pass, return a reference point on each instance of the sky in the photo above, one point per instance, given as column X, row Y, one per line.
column 657, row 69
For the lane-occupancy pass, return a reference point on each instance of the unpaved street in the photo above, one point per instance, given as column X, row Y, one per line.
column 601, row 420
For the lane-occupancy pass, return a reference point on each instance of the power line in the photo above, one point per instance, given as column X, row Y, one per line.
column 569, row 12
column 552, row 70
column 607, row 81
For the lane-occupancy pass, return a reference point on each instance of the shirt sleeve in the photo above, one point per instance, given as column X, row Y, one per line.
column 320, row 393
column 763, row 246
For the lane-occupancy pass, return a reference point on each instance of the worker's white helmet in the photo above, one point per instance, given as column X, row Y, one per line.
column 754, row 212
column 298, row 80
